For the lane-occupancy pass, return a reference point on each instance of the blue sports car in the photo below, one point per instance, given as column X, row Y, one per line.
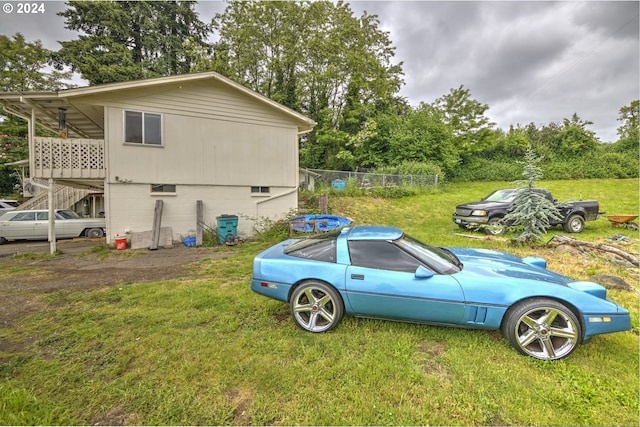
column 379, row 272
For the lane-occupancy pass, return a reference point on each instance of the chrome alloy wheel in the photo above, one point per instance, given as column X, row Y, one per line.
column 316, row 307
column 544, row 329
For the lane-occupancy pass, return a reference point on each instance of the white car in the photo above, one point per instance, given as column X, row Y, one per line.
column 34, row 225
column 7, row 206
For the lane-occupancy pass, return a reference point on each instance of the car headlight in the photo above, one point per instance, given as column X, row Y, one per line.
column 479, row 213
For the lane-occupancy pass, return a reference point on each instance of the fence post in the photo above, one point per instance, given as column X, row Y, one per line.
column 323, row 203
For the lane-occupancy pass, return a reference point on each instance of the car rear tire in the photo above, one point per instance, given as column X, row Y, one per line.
column 542, row 328
column 574, row 224
column 316, row 306
column 94, row 233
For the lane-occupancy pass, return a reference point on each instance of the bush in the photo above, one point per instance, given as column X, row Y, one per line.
column 603, row 164
column 480, row 169
column 420, row 168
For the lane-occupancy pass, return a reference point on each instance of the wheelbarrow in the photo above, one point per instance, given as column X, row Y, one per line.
column 622, row 220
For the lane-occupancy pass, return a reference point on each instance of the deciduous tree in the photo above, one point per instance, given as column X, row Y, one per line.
column 317, row 58
column 575, row 138
column 629, row 117
column 24, row 67
column 472, row 129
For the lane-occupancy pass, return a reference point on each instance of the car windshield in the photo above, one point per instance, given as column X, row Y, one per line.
column 501, row 196
column 437, row 259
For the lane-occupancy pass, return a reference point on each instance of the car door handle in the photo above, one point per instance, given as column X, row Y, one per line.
column 357, row 276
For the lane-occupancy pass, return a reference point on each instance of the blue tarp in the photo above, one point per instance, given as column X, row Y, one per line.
column 318, row 222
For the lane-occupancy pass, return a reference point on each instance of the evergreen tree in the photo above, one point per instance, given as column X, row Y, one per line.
column 22, row 66
column 129, row 40
column 533, row 212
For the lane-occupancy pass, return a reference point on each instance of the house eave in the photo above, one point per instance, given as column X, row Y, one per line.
column 305, row 124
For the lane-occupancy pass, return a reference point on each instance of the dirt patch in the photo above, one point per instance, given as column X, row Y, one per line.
column 79, row 269
column 431, row 366
column 241, row 401
column 113, row 417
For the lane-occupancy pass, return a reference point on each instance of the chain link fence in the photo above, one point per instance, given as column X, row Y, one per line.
column 311, row 179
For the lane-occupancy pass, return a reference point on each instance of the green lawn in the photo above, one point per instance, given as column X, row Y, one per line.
column 206, row 350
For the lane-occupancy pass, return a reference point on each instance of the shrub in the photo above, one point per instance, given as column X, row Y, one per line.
column 480, row 169
column 603, row 164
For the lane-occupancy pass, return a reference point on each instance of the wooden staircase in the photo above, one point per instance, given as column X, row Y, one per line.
column 64, row 197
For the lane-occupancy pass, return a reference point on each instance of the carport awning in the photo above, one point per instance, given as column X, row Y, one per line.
column 82, row 120
column 24, row 163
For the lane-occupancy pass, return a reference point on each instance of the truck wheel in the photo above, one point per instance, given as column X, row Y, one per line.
column 574, row 224
column 494, row 227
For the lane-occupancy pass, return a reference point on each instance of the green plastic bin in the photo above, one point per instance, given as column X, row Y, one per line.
column 227, row 228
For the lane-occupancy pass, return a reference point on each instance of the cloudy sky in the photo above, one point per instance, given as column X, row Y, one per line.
column 531, row 62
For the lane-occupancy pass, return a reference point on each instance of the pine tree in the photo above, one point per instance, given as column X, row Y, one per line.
column 533, row 212
column 130, row 40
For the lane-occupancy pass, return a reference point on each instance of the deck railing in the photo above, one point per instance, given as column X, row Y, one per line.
column 68, row 158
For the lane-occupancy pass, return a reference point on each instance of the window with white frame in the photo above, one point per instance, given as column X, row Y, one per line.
column 260, row 190
column 163, row 188
column 142, row 128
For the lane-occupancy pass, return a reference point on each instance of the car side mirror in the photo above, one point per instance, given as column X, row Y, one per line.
column 423, row 273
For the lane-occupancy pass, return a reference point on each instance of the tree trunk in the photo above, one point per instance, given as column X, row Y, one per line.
column 563, row 240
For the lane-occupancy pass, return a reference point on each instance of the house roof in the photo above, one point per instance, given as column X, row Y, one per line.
column 82, row 119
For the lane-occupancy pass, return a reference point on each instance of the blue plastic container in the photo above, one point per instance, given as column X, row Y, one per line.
column 338, row 184
column 190, row 241
column 227, row 228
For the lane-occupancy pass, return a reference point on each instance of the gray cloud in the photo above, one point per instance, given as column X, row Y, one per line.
column 530, row 61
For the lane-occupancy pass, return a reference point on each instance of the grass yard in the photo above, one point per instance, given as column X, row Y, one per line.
column 205, row 350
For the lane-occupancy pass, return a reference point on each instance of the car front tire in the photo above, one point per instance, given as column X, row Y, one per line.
column 542, row 328
column 574, row 224
column 316, row 306
column 495, row 227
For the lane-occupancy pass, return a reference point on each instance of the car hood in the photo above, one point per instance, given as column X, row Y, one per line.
column 487, row 263
column 484, row 205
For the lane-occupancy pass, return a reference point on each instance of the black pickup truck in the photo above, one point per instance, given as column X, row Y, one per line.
column 488, row 212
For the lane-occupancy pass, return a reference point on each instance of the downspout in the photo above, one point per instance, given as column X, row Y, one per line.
column 259, row 202
column 294, row 189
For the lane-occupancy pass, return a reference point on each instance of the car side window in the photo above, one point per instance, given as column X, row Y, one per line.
column 42, row 216
column 319, row 250
column 65, row 215
column 24, row 216
column 382, row 255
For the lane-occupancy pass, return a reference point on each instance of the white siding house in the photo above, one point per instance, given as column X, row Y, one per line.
column 178, row 139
